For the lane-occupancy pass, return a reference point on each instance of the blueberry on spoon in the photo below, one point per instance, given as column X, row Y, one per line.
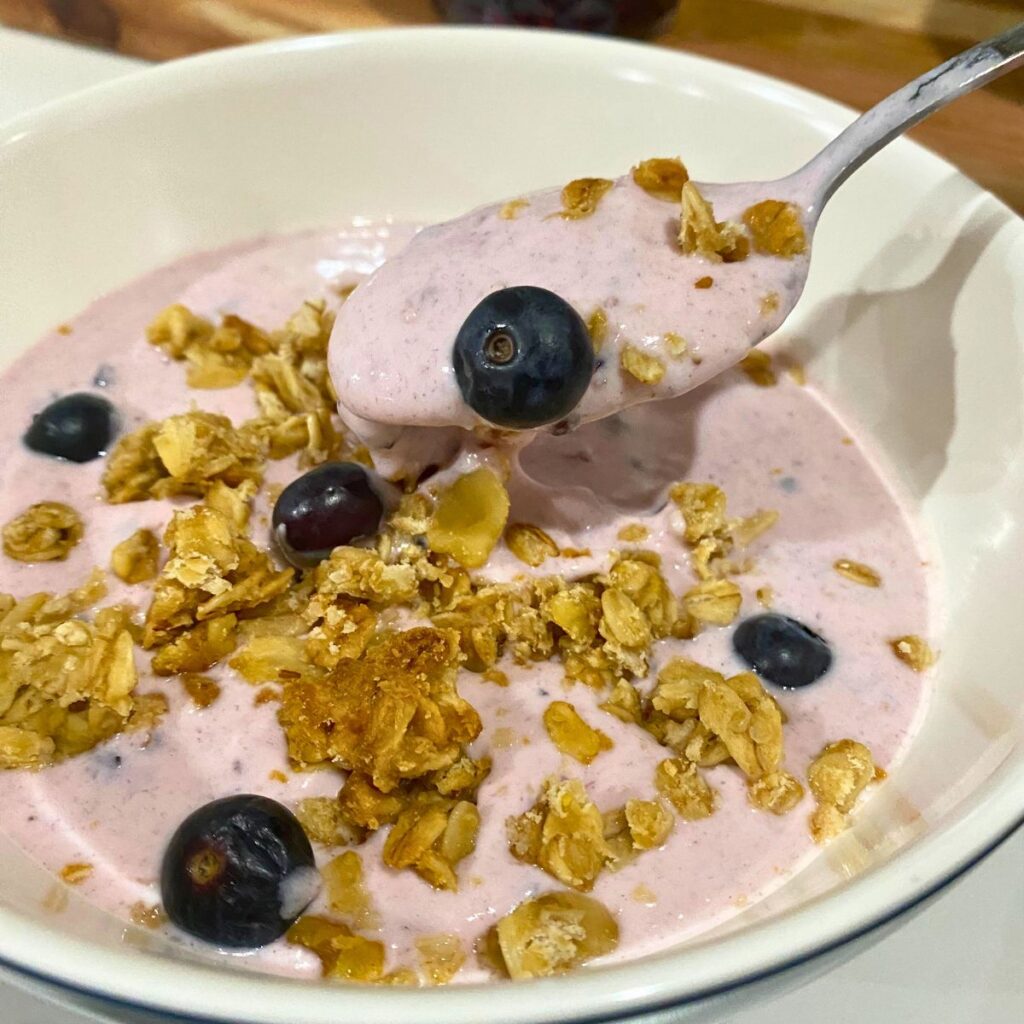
column 336, row 503
column 782, row 650
column 523, row 358
column 77, row 427
column 238, row 872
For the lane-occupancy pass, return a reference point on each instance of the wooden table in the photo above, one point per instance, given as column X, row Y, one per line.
column 853, row 50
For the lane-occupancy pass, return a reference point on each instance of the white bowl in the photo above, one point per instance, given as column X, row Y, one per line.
column 911, row 321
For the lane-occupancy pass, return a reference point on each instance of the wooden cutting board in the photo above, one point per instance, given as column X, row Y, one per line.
column 853, row 50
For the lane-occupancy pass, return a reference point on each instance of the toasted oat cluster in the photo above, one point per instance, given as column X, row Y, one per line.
column 45, row 532
column 392, row 714
column 550, row 934
column 67, row 676
column 213, row 575
column 700, row 233
column 217, row 357
column 713, row 537
column 182, row 455
column 563, row 833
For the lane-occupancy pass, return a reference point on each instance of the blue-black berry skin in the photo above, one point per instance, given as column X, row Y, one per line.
column 334, row 504
column 782, row 650
column 78, row 428
column 523, row 358
column 232, row 870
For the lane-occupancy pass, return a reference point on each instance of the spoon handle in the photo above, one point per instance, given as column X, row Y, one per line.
column 877, row 127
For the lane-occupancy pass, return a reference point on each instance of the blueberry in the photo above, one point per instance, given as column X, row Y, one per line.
column 238, row 872
column 334, row 504
column 523, row 358
column 782, row 650
column 76, row 427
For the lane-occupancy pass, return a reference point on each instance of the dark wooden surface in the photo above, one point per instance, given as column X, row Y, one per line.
column 856, row 51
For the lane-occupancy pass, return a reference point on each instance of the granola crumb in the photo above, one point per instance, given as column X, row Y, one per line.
column 765, row 596
column 680, row 782
column 137, row 558
column 571, row 734
column 913, row 651
column 322, row 819
column 641, row 366
column 147, row 915
column 76, row 872
column 441, row 957
column 797, row 373
column 776, row 228
column 676, row 345
column 276, row 775
column 44, row 532
column 633, row 533
column 347, row 895
column 580, row 198
column 343, row 954
column 857, row 572
column 769, row 303
column 777, row 792
column 367, row 704
column 837, row 777
column 757, row 365
column 202, row 690
column 662, row 178
column 65, row 329
column 530, row 544
column 643, row 894
column 704, row 282
column 511, row 209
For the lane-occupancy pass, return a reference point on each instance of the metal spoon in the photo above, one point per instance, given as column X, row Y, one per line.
column 967, row 71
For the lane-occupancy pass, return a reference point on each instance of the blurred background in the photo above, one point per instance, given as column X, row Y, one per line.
column 855, row 51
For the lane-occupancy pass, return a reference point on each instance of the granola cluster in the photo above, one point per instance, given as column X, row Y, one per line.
column 549, row 934
column 214, row 576
column 45, row 532
column 189, row 453
column 67, row 676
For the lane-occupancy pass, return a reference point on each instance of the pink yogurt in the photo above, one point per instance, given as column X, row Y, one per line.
column 779, row 448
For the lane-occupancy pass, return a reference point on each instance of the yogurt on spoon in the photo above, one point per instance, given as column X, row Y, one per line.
column 673, row 282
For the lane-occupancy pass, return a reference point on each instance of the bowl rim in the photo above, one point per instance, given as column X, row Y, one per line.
column 198, row 992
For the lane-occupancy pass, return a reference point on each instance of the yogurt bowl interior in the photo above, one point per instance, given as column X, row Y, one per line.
column 910, row 324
